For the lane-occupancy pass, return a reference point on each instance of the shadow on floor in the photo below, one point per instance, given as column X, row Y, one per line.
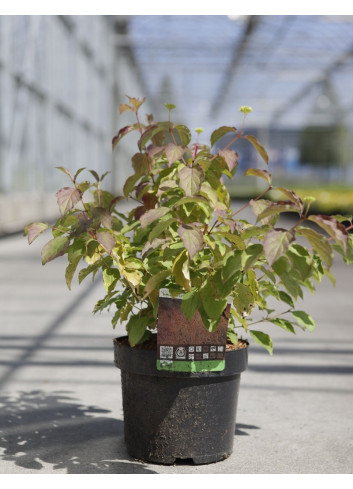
column 38, row 428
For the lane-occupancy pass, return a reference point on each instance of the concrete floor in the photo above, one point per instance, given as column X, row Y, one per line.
column 60, row 398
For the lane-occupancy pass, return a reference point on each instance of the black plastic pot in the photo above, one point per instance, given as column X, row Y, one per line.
column 170, row 416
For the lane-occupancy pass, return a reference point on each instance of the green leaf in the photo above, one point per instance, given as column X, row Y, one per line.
column 251, row 254
column 233, row 338
column 209, row 323
column 277, row 208
column 192, row 239
column 276, row 243
column 220, row 132
column 304, row 319
column 240, row 318
column 190, row 303
column 67, row 198
column 262, row 339
column 259, row 148
column 183, row 133
column 211, row 302
column 291, row 281
column 173, row 152
column 75, row 253
column 334, row 228
column 110, row 278
column 154, row 281
column 180, row 270
column 232, row 265
column 136, row 328
column 152, row 215
column 233, row 238
column 140, row 164
column 152, row 131
column 190, row 180
column 286, row 298
column 34, row 229
column 301, row 260
column 55, row 247
column 261, row 205
column 320, row 244
column 106, row 239
column 243, row 298
column 130, row 183
column 284, row 324
column 256, row 172
column 160, row 227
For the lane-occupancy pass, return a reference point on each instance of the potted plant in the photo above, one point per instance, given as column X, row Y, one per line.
column 183, row 237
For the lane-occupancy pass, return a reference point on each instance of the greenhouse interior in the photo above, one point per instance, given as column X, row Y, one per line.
column 62, row 79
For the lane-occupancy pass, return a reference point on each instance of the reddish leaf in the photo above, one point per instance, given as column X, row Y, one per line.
column 106, row 240
column 334, row 228
column 33, row 230
column 292, row 196
column 105, row 219
column 55, row 247
column 230, row 157
column 149, row 200
column 67, row 198
column 123, row 131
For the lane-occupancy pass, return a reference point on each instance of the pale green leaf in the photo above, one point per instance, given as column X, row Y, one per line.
column 258, row 146
column 180, row 270
column 319, row 242
column 173, row 152
column 190, row 180
column 152, row 215
column 304, row 319
column 262, row 339
column 192, row 239
column 154, row 282
column 220, row 132
column 256, row 172
column 276, row 243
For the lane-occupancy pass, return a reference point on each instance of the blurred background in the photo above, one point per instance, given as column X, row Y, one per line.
column 62, row 79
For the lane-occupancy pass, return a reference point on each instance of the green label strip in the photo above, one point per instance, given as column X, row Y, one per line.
column 194, row 366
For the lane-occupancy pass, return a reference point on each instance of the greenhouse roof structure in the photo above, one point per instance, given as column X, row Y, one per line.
column 291, row 69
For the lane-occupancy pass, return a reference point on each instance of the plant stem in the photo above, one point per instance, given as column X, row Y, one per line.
column 257, row 198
